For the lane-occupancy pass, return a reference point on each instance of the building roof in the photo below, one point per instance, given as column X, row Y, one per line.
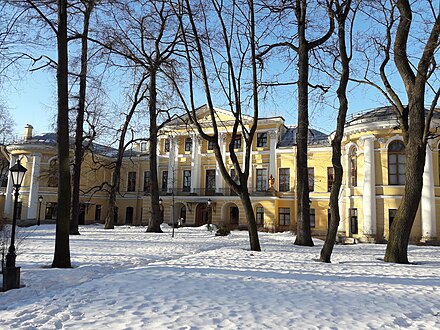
column 383, row 116
column 317, row 138
column 100, row 149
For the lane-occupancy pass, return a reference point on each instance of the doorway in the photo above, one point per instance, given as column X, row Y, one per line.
column 202, row 214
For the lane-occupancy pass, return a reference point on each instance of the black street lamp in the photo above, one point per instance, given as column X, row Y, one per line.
column 209, row 213
column 11, row 274
column 161, row 210
column 40, row 199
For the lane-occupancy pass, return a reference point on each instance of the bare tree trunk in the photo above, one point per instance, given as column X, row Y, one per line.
column 62, row 250
column 110, row 219
column 79, row 132
column 416, row 135
column 397, row 247
column 156, row 217
column 341, row 17
column 250, row 216
column 303, row 235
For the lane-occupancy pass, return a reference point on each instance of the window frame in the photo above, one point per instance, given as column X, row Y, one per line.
column 330, row 178
column 400, row 178
column 353, row 167
column 261, row 180
column 259, row 215
column 284, row 216
column 147, row 181
column 188, row 144
column 131, row 181
column 237, row 141
column 186, row 181
column 261, row 139
column 284, row 179
column 311, row 178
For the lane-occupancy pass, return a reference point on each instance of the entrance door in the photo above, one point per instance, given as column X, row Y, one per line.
column 82, row 214
column 233, row 216
column 129, row 215
column 202, row 214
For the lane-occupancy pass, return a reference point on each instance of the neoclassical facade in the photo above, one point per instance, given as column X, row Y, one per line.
column 194, row 193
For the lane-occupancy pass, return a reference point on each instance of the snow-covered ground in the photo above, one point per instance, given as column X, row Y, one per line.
column 129, row 279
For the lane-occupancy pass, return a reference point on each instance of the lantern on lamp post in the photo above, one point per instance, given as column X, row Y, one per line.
column 209, row 213
column 40, row 200
column 11, row 274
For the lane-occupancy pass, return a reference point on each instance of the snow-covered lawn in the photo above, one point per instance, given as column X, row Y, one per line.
column 129, row 279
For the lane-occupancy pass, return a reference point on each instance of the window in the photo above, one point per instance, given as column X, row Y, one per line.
column 311, row 175
column 188, row 144
column 396, row 163
column 259, row 215
column 98, row 213
column 312, row 218
column 164, row 180
column 284, row 176
column 261, row 184
column 166, row 145
column 330, row 178
column 353, row 167
column 53, row 173
column 143, row 147
column 284, row 216
column 391, row 216
column 131, row 181
column 210, row 182
column 51, row 211
column 353, row 221
column 237, row 141
column 147, row 181
column 186, row 180
column 234, row 176
column 210, row 145
column 262, row 139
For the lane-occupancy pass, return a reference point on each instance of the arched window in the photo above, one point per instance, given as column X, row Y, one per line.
column 396, row 163
column 353, row 167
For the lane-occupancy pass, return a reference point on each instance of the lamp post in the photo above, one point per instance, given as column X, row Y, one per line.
column 161, row 210
column 40, row 200
column 11, row 274
column 209, row 213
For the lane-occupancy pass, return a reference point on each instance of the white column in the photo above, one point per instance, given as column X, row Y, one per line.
column 369, row 196
column 219, row 182
column 172, row 164
column 249, row 183
column 195, row 163
column 34, row 187
column 8, row 197
column 427, row 202
column 273, row 154
column 342, row 195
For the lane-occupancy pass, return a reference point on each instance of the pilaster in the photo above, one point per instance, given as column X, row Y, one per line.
column 369, row 184
column 34, row 186
column 427, row 202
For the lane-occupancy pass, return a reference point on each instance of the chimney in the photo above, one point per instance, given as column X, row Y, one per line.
column 28, row 132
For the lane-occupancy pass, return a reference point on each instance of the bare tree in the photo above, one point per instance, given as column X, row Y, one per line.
column 229, row 61
column 303, row 48
column 414, row 121
column 341, row 13
column 86, row 11
column 145, row 36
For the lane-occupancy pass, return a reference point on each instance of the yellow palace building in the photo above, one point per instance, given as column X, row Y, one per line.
column 194, row 193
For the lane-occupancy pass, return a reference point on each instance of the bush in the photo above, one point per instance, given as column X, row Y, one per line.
column 223, row 230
